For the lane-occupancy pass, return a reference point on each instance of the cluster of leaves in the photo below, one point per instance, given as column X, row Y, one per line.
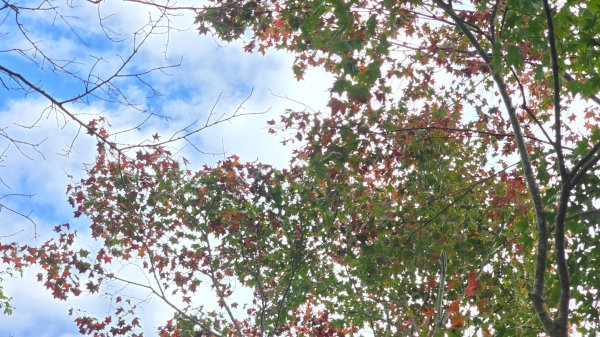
column 417, row 151
column 313, row 258
column 5, row 301
column 232, row 224
column 426, row 202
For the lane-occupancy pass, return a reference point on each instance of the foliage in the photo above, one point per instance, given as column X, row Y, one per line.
column 416, row 126
column 95, row 67
column 63, row 81
column 451, row 188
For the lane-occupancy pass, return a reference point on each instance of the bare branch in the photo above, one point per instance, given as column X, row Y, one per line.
column 185, row 133
column 26, row 216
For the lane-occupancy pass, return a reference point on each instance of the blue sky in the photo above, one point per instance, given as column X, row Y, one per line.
column 208, row 69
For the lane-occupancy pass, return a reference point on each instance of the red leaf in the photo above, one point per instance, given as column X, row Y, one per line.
column 457, row 321
column 336, row 106
column 454, row 307
column 472, row 285
column 429, row 312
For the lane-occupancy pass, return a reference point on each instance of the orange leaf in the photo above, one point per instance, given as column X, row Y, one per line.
column 429, row 312
column 454, row 307
column 457, row 321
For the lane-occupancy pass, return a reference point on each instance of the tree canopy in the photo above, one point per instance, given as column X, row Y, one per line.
column 451, row 187
column 68, row 71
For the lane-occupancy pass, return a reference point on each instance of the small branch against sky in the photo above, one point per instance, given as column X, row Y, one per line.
column 192, row 129
column 104, row 77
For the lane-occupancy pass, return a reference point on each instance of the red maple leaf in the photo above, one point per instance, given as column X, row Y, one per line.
column 429, row 312
column 472, row 285
column 454, row 307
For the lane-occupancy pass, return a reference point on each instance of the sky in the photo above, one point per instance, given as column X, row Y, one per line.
column 201, row 74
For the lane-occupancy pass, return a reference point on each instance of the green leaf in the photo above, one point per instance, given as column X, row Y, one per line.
column 513, row 57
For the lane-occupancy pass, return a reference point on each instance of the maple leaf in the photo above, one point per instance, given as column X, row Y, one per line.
column 92, row 287
column 456, row 321
column 472, row 285
column 336, row 106
column 429, row 312
column 454, row 307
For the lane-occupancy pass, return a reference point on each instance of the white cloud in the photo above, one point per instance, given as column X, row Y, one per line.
column 248, row 136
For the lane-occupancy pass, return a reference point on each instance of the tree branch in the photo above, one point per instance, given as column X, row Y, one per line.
column 555, row 90
column 464, row 193
column 561, row 322
column 217, row 286
column 59, row 105
column 169, row 303
column 542, row 246
column 465, row 130
column 584, row 165
column 594, row 98
column 583, row 214
column 529, row 112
